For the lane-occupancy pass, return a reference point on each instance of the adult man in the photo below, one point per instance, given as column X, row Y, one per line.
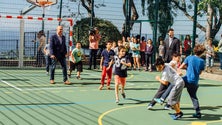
column 172, row 45
column 58, row 52
column 94, row 38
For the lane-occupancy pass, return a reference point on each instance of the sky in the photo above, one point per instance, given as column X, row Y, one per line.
column 111, row 11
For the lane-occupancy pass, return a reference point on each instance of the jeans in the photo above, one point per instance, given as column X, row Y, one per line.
column 220, row 57
column 92, row 57
column 192, row 90
column 159, row 93
column 64, row 68
column 167, row 92
column 47, row 63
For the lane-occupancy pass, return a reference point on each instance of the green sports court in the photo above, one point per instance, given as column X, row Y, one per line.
column 27, row 98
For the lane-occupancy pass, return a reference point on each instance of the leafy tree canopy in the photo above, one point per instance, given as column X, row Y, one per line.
column 107, row 30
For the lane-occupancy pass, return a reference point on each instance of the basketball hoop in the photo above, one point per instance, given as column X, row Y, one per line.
column 42, row 3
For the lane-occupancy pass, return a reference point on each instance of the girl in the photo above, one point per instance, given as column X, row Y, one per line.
column 121, row 64
column 209, row 55
column 149, row 53
column 136, row 53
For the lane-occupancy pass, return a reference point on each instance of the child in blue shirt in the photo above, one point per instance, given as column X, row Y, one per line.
column 106, row 65
column 194, row 66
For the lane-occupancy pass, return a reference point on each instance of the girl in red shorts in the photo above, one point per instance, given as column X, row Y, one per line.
column 121, row 64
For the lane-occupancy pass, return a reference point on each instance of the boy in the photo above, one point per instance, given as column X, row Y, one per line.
column 76, row 60
column 106, row 64
column 121, row 64
column 194, row 65
column 174, row 63
column 169, row 75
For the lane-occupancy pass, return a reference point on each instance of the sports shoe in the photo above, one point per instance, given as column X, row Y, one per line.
column 158, row 100
column 149, row 107
column 100, row 87
column 117, row 101
column 69, row 75
column 67, row 82
column 108, row 88
column 78, row 77
column 167, row 107
column 47, row 73
column 197, row 115
column 123, row 95
column 177, row 116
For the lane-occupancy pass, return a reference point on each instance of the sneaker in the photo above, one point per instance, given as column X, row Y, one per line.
column 100, row 87
column 197, row 115
column 47, row 73
column 123, row 95
column 177, row 116
column 158, row 100
column 69, row 75
column 167, row 107
column 67, row 82
column 117, row 101
column 108, row 88
column 78, row 77
column 89, row 68
column 149, row 107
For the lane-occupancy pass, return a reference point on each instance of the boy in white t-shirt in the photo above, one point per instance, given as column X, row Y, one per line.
column 169, row 75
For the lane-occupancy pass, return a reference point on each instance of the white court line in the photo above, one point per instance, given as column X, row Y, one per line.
column 11, row 85
column 49, row 88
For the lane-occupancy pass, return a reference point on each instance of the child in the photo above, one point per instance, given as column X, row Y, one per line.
column 119, row 43
column 76, row 60
column 194, row 65
column 47, row 57
column 169, row 75
column 209, row 55
column 174, row 63
column 161, row 49
column 106, row 64
column 149, row 53
column 135, row 47
column 121, row 64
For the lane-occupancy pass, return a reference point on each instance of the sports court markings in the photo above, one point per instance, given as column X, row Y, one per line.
column 127, row 107
column 9, row 84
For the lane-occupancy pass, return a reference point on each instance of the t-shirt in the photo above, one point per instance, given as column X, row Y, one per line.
column 120, row 69
column 194, row 67
column 107, row 56
column 170, row 75
column 77, row 53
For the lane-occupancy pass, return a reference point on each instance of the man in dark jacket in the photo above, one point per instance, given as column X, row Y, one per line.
column 172, row 45
column 58, row 52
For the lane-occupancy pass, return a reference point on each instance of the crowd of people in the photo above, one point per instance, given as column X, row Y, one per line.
column 137, row 53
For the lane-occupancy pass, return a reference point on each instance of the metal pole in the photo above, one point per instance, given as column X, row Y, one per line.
column 43, row 16
column 60, row 11
column 194, row 24
column 155, row 28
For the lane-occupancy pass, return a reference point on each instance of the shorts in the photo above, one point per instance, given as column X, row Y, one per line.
column 77, row 66
column 120, row 80
column 175, row 93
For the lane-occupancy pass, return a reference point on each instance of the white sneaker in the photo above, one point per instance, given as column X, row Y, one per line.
column 149, row 107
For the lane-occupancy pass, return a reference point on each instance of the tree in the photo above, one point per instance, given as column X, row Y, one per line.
column 132, row 17
column 212, row 9
column 165, row 14
column 106, row 28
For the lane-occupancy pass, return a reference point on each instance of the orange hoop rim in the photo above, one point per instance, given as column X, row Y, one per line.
column 42, row 3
